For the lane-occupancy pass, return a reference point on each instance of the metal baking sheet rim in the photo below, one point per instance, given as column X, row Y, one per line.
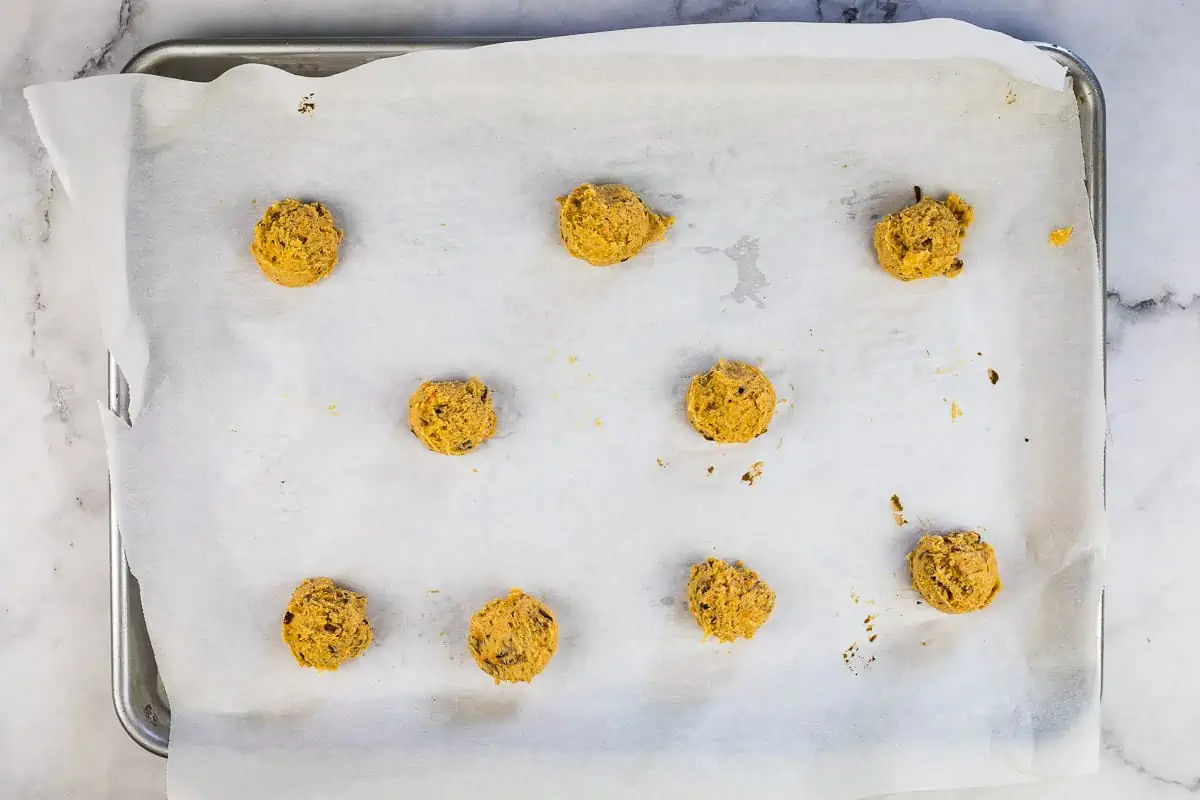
column 139, row 697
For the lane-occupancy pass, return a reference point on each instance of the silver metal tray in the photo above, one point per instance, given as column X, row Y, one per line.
column 139, row 696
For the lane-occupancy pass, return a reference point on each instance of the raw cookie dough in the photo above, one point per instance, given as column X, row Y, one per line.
column 296, row 244
column 923, row 240
column 955, row 573
column 325, row 625
column 1060, row 236
column 513, row 638
column 452, row 417
column 732, row 402
column 728, row 600
column 605, row 225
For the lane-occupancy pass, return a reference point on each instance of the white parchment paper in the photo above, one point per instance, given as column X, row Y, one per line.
column 270, row 443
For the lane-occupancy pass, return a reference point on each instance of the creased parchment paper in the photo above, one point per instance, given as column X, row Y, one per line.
column 269, row 441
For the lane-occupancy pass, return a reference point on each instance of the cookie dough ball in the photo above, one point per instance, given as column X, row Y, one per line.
column 325, row 625
column 296, row 243
column 955, row 573
column 513, row 638
column 452, row 417
column 605, row 225
column 728, row 600
column 732, row 402
column 923, row 240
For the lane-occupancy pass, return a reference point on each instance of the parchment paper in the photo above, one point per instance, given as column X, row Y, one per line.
column 270, row 442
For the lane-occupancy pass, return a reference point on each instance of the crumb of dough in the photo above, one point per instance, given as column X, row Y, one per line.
column 296, row 244
column 728, row 600
column 993, row 376
column 955, row 573
column 955, row 411
column 898, row 512
column 452, row 417
column 924, row 240
column 605, row 225
column 513, row 638
column 732, row 402
column 754, row 473
column 1060, row 236
column 325, row 625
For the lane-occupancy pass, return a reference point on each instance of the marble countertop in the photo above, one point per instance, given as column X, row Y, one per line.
column 58, row 734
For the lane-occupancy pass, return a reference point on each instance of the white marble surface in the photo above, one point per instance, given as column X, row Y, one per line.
column 58, row 735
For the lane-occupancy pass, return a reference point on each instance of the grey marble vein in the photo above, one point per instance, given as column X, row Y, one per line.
column 1164, row 303
column 863, row 10
column 1123, row 313
column 59, row 393
column 1113, row 745
column 102, row 58
column 691, row 11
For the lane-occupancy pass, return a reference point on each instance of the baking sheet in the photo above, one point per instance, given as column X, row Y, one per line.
column 580, row 512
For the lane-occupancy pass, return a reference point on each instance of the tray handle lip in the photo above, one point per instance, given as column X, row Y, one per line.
column 1088, row 88
column 1077, row 66
column 145, row 733
column 140, row 730
column 152, row 56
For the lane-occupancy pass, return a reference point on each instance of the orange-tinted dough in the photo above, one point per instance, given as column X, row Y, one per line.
column 1060, row 236
column 728, row 600
column 732, row 402
column 296, row 244
column 605, row 225
column 955, row 573
column 924, row 240
column 513, row 638
column 325, row 625
column 452, row 417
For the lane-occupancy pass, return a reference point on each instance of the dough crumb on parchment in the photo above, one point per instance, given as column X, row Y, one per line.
column 1059, row 237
